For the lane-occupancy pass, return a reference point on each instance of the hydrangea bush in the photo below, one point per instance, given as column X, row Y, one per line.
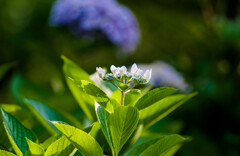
column 84, row 17
column 118, row 113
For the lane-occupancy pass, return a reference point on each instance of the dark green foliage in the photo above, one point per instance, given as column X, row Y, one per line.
column 115, row 131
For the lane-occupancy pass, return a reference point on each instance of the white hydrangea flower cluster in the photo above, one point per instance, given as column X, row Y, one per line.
column 120, row 76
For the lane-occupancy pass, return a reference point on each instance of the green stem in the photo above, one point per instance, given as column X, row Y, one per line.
column 123, row 96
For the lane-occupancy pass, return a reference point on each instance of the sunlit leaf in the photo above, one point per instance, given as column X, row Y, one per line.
column 84, row 142
column 164, row 146
column 98, row 135
column 160, row 109
column 16, row 133
column 154, row 96
column 123, row 122
column 94, row 91
column 6, row 153
column 50, row 140
column 131, row 97
column 133, row 138
column 104, row 120
column 60, row 147
column 34, row 148
column 74, row 72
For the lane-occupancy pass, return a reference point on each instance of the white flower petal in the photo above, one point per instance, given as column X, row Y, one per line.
column 101, row 72
column 114, row 69
column 134, row 68
column 147, row 75
column 139, row 72
column 123, row 70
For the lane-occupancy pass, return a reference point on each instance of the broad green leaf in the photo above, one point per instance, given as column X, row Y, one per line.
column 131, row 97
column 162, row 108
column 4, row 141
column 98, row 135
column 153, row 96
column 103, row 118
column 133, row 139
column 6, row 153
column 123, row 122
column 19, row 113
column 94, row 91
column 34, row 148
column 74, row 72
column 117, row 95
column 50, row 140
column 60, row 147
column 44, row 114
column 16, row 133
column 5, row 67
column 84, row 142
column 164, row 146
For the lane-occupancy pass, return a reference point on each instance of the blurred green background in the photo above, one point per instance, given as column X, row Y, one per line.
column 200, row 38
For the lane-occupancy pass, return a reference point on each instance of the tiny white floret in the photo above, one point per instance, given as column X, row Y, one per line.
column 139, row 72
column 147, row 75
column 114, row 69
column 123, row 70
column 134, row 68
column 101, row 72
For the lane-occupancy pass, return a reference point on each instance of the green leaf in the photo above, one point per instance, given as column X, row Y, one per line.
column 162, row 108
column 153, row 96
column 117, row 94
column 84, row 142
column 131, row 97
column 44, row 114
column 60, row 147
column 94, row 91
column 123, row 86
column 6, row 153
column 51, row 140
column 133, row 139
column 16, row 133
column 164, row 146
column 35, row 149
column 74, row 72
column 123, row 122
column 97, row 133
column 103, row 118
column 4, row 141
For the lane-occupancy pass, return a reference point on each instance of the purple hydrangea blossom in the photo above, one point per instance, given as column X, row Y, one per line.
column 84, row 16
column 164, row 74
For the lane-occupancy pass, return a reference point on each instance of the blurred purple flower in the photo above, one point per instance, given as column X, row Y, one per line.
column 84, row 16
column 164, row 74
